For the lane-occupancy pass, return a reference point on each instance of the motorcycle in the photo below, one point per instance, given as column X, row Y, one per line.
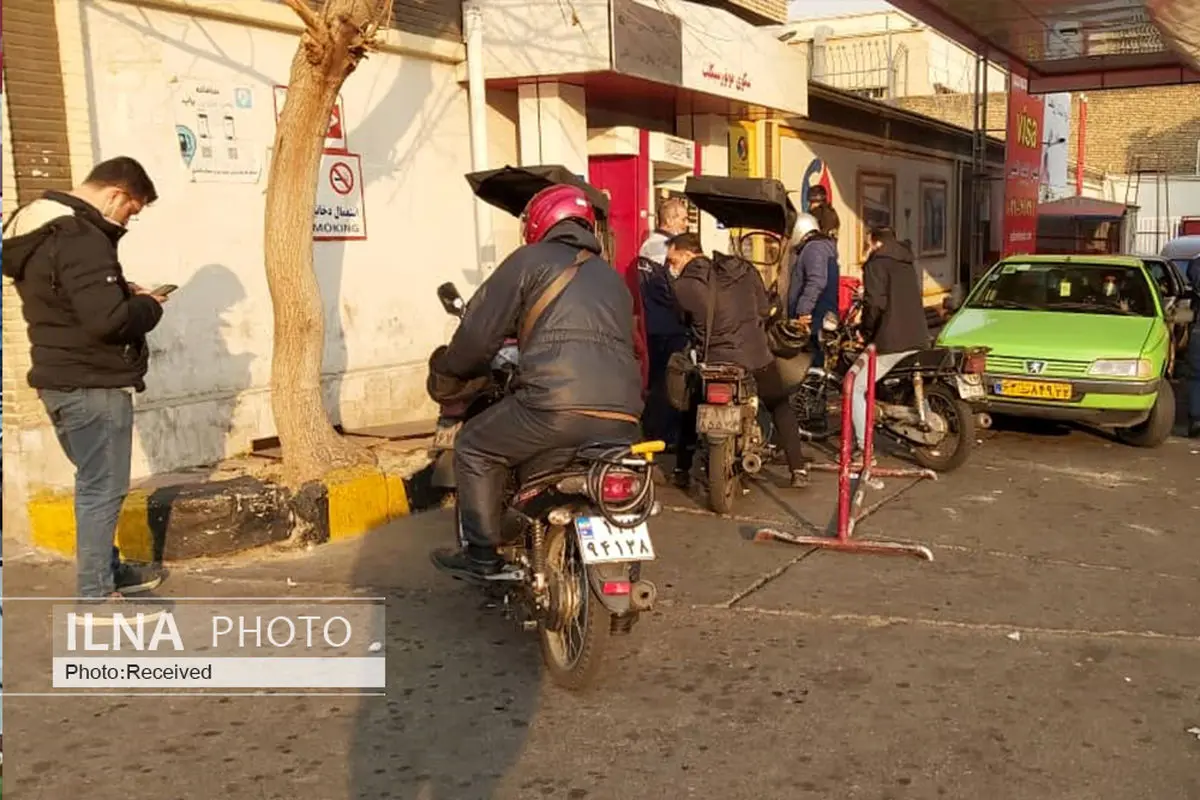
column 731, row 425
column 575, row 532
column 923, row 403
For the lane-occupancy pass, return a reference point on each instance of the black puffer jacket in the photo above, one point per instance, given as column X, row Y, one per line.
column 739, row 333
column 580, row 354
column 86, row 327
column 893, row 308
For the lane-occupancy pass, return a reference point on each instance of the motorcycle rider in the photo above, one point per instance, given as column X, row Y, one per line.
column 738, row 337
column 823, row 212
column 812, row 288
column 893, row 317
column 578, row 380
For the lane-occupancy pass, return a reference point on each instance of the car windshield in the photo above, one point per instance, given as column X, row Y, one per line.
column 1076, row 288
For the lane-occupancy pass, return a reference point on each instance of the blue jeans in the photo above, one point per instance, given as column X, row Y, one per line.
column 1193, row 386
column 95, row 428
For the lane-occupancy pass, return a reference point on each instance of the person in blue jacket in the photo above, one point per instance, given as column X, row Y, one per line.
column 812, row 289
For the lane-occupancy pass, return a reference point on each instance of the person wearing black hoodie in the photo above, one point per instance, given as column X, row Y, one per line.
column 738, row 337
column 893, row 316
column 87, row 332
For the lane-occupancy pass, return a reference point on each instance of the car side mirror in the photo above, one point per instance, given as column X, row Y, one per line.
column 954, row 300
column 452, row 301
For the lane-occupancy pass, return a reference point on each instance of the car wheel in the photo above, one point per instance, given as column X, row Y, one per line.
column 1157, row 427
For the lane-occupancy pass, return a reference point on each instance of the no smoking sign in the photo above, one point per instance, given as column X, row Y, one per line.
column 341, row 177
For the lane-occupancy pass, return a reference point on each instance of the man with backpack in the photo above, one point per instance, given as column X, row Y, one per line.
column 87, row 331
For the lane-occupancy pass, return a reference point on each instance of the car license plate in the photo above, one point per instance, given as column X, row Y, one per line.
column 601, row 542
column 970, row 387
column 718, row 419
column 444, row 436
column 1033, row 390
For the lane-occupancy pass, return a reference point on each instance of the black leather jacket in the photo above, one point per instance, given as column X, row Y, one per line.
column 580, row 354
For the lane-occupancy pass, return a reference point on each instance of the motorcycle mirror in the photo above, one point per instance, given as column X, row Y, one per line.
column 452, row 301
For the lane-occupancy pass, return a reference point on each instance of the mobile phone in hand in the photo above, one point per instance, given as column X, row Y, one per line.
column 164, row 290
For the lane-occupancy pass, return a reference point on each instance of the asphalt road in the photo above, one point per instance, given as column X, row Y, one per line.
column 1051, row 651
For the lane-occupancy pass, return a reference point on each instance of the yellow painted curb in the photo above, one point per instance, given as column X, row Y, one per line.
column 52, row 525
column 362, row 499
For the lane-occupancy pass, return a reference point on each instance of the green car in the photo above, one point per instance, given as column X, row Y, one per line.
column 1073, row 338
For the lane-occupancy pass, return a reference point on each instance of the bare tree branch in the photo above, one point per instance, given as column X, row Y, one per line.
column 315, row 25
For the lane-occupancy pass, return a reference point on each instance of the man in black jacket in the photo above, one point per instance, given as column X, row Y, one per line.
column 893, row 316
column 738, row 336
column 87, row 331
column 579, row 380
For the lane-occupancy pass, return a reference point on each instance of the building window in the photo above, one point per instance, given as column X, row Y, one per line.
column 932, row 217
column 876, row 206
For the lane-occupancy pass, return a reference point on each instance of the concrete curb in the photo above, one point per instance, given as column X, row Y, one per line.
column 219, row 518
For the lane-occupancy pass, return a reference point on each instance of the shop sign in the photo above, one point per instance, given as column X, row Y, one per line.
column 1022, row 168
column 666, row 149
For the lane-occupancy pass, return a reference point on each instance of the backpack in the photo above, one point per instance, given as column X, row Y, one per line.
column 17, row 251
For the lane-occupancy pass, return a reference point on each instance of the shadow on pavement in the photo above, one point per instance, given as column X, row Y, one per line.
column 464, row 683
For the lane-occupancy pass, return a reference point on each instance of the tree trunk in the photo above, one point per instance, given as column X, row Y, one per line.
column 335, row 40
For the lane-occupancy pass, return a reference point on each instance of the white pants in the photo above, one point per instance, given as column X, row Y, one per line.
column 858, row 403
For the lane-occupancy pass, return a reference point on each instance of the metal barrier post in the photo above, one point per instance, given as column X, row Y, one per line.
column 850, row 495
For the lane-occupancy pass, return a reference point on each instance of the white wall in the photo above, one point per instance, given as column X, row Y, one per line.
column 208, row 384
column 1178, row 196
column 844, row 164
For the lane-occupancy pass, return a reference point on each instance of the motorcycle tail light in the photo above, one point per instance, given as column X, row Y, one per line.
column 975, row 363
column 617, row 488
column 718, row 393
column 616, row 587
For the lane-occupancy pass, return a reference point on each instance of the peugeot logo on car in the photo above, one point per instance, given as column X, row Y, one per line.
column 1035, row 367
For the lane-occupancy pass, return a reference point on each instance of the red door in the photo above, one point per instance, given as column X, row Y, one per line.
column 625, row 179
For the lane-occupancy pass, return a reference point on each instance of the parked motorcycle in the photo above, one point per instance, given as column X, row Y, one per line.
column 575, row 532
column 923, row 402
column 733, row 431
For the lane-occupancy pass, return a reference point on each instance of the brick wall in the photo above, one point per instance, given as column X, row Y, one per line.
column 1158, row 123
column 775, row 10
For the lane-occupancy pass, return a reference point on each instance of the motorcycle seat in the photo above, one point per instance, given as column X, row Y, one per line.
column 933, row 358
column 558, row 459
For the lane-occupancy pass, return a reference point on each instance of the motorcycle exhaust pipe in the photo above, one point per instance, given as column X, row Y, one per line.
column 752, row 463
column 983, row 420
column 643, row 595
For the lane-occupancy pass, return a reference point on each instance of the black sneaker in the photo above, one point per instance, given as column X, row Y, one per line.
column 1194, row 430
column 105, row 612
column 799, row 479
column 457, row 562
column 681, row 479
column 137, row 578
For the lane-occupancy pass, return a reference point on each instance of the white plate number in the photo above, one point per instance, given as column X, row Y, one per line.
column 601, row 542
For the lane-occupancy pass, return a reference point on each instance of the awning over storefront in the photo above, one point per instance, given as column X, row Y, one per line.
column 704, row 58
column 1076, row 45
column 1082, row 208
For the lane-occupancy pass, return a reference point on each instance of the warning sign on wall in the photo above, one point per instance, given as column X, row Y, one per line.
column 339, row 215
column 335, row 136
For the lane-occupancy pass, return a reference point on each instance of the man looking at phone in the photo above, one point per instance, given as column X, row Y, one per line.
column 87, row 330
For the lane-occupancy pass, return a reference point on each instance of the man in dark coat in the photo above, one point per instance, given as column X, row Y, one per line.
column 665, row 331
column 893, row 316
column 738, row 336
column 87, row 331
column 578, row 380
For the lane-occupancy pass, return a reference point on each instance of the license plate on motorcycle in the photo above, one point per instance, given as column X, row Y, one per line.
column 601, row 542
column 718, row 419
column 444, row 436
column 970, row 387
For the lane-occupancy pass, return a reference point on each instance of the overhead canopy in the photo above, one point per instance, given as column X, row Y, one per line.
column 1076, row 45
column 1082, row 208
column 759, row 203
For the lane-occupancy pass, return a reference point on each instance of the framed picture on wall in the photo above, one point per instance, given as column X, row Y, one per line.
column 933, row 219
column 876, row 206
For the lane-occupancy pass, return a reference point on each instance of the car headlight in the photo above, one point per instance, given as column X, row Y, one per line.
column 1121, row 367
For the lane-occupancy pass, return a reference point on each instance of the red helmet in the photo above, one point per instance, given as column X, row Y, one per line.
column 551, row 206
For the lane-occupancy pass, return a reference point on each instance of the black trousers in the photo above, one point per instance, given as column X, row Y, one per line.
column 503, row 437
column 774, row 397
column 660, row 420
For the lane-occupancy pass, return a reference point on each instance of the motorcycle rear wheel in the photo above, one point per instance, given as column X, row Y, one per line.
column 724, row 484
column 961, row 423
column 573, row 655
